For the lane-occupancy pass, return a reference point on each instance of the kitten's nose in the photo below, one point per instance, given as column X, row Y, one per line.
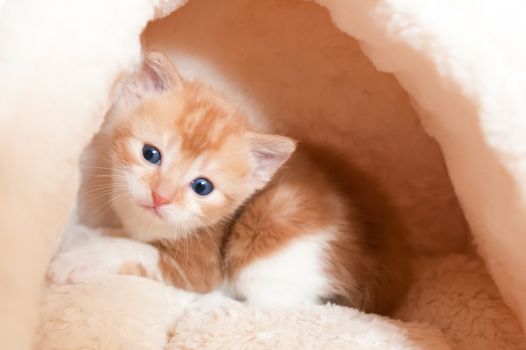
column 158, row 200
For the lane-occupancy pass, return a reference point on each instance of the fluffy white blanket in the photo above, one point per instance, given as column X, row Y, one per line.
column 463, row 66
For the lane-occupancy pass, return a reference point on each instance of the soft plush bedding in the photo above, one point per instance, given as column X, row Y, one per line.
column 428, row 97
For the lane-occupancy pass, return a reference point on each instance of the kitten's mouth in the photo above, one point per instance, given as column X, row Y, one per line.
column 152, row 210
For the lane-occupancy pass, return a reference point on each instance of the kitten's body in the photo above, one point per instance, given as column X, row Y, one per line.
column 307, row 238
column 271, row 239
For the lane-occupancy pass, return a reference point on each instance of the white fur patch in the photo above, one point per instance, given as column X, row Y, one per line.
column 293, row 275
column 96, row 255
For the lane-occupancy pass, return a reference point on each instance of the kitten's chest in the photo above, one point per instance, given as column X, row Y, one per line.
column 194, row 262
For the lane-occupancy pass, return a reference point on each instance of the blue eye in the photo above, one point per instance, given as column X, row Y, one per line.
column 202, row 187
column 151, row 154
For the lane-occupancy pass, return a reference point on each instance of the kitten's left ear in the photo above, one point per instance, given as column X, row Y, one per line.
column 156, row 75
column 270, row 152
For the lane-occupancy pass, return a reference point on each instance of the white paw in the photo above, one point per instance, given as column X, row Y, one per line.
column 98, row 256
column 81, row 264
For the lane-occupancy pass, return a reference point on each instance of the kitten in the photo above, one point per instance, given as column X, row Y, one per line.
column 222, row 205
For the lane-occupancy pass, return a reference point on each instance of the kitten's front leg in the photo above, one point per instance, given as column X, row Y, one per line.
column 96, row 255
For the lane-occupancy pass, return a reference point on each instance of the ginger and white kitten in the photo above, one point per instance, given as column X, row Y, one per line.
column 221, row 205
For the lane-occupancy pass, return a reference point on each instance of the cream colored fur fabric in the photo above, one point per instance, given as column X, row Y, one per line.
column 462, row 66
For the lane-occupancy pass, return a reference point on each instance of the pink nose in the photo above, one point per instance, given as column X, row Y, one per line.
column 158, row 200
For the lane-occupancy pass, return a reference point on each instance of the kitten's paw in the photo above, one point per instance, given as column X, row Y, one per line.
column 78, row 265
column 100, row 256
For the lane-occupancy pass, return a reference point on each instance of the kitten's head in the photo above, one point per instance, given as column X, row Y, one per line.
column 183, row 157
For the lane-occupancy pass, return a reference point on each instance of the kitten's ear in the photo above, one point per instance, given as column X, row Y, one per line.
column 269, row 152
column 156, row 75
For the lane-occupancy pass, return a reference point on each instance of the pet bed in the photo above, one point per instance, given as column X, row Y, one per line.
column 426, row 96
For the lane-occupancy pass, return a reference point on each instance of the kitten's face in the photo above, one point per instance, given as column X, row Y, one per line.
column 183, row 156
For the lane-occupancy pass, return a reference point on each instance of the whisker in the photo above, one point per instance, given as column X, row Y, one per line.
column 108, row 205
column 104, row 190
column 207, row 231
column 200, row 243
column 187, row 251
column 175, row 244
column 108, row 188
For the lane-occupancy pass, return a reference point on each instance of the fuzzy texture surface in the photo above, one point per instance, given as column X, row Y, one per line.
column 454, row 305
column 467, row 81
column 123, row 312
column 457, row 295
column 462, row 64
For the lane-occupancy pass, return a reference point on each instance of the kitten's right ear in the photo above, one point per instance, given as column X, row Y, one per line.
column 156, row 75
column 269, row 153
